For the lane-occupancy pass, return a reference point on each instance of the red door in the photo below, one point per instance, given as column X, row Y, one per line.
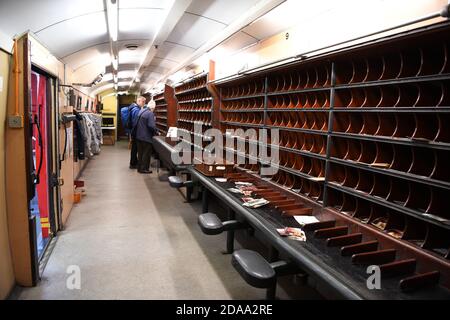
column 40, row 149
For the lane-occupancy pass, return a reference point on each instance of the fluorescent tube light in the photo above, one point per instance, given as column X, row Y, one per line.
column 113, row 19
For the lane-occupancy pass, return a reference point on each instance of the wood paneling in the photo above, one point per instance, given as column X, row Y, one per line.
column 16, row 178
column 7, row 273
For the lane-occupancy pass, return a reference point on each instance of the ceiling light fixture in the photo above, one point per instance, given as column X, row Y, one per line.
column 112, row 11
column 131, row 46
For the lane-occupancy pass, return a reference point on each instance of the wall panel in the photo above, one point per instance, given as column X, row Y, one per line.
column 6, row 267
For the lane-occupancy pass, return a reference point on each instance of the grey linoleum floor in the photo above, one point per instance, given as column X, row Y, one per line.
column 133, row 237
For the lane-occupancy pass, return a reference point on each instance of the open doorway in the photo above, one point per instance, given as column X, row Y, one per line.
column 41, row 204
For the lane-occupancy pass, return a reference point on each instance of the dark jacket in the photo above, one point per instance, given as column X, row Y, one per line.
column 146, row 127
column 80, row 146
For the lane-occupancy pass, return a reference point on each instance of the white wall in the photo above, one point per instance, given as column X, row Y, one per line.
column 345, row 20
column 6, row 43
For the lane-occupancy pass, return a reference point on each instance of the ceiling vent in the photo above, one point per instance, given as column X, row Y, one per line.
column 131, row 46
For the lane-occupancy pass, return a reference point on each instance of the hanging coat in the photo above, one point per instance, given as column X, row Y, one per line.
column 79, row 131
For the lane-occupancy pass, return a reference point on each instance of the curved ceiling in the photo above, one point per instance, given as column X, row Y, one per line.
column 77, row 32
column 155, row 37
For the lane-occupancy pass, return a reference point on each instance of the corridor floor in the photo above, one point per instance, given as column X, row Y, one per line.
column 133, row 237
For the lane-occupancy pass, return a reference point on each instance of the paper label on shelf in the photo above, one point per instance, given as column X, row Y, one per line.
column 240, row 183
column 380, row 165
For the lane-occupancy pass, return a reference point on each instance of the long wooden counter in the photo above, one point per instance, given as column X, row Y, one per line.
column 334, row 274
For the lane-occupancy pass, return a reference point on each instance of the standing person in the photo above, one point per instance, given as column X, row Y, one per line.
column 133, row 112
column 152, row 106
column 145, row 130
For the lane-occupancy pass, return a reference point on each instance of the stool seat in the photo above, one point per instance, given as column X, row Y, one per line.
column 210, row 224
column 176, row 182
column 254, row 269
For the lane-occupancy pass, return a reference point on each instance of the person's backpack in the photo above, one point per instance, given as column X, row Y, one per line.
column 127, row 119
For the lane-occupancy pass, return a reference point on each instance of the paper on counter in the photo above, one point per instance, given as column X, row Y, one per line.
column 172, row 132
column 256, row 203
column 292, row 233
column 234, row 190
column 303, row 220
column 239, row 183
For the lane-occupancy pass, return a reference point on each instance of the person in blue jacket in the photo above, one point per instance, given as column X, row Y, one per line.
column 134, row 109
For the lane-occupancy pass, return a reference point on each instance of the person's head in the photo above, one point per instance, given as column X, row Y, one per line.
column 140, row 101
column 151, row 104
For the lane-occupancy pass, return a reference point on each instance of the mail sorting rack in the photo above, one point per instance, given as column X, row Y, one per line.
column 242, row 106
column 363, row 132
column 161, row 112
column 195, row 107
column 296, row 101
